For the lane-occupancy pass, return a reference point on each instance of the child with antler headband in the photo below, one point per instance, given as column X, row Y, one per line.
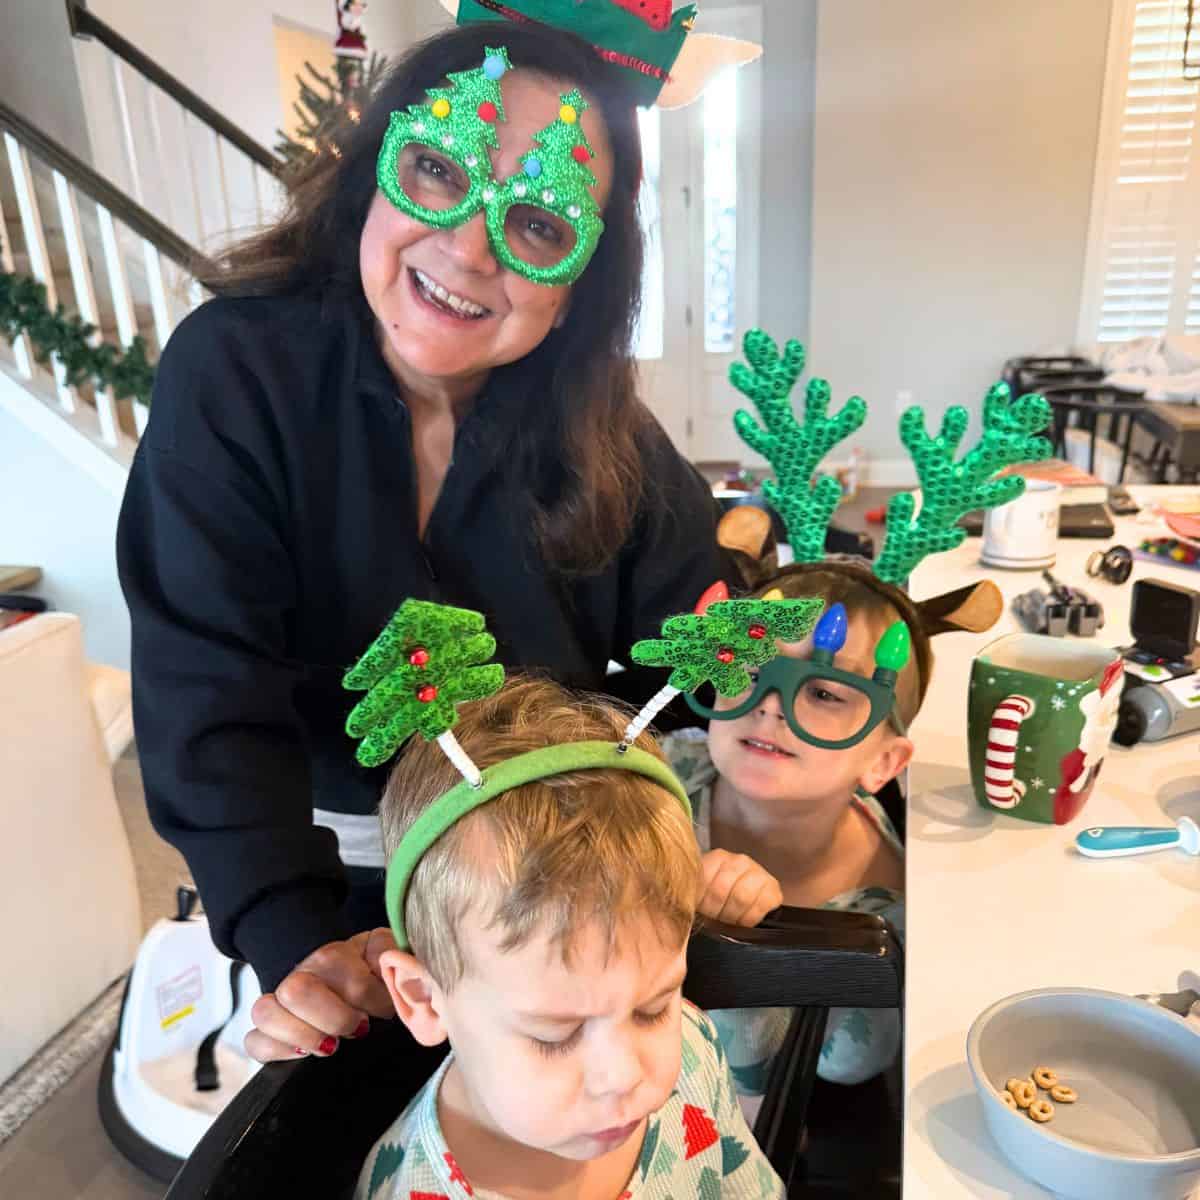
column 783, row 785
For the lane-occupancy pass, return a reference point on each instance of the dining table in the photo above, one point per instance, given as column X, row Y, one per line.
column 996, row 905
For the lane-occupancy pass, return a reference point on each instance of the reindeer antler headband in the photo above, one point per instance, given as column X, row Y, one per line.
column 949, row 487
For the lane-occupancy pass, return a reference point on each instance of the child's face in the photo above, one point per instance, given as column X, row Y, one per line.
column 766, row 763
column 565, row 1057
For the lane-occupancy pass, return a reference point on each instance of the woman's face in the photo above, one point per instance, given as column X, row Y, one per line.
column 506, row 316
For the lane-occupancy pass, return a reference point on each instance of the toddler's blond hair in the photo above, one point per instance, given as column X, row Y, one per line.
column 553, row 856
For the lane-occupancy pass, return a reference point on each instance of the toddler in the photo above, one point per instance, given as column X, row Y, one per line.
column 547, row 932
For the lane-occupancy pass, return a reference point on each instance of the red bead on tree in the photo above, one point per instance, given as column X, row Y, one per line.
column 419, row 657
column 725, row 655
column 581, row 155
column 487, row 111
column 427, row 693
column 757, row 632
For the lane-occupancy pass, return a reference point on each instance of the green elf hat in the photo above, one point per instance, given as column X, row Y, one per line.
column 661, row 60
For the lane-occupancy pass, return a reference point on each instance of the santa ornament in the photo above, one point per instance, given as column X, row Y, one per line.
column 351, row 41
column 1041, row 714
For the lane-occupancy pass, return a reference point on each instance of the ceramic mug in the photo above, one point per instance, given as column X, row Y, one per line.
column 1023, row 533
column 1040, row 715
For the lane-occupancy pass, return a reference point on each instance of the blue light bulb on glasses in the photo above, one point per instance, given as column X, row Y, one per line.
column 830, row 634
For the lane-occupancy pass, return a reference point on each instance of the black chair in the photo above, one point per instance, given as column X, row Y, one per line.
column 1031, row 373
column 304, row 1128
column 1085, row 405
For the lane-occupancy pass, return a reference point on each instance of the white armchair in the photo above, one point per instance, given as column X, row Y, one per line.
column 69, row 910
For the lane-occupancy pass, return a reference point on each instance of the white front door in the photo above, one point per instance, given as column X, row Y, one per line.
column 700, row 211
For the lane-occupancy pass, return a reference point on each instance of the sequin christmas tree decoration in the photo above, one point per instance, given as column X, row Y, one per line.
column 793, row 449
column 458, row 121
column 429, row 659
column 556, row 176
column 719, row 646
column 949, row 488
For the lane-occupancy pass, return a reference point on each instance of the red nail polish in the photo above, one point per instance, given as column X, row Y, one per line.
column 328, row 1045
column 364, row 1027
column 300, row 1050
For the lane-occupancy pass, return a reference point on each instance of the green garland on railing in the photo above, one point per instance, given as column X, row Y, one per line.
column 24, row 309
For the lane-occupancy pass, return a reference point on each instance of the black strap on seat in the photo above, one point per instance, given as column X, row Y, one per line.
column 207, row 1077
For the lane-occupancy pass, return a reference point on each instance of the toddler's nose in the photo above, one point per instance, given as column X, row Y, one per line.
column 616, row 1070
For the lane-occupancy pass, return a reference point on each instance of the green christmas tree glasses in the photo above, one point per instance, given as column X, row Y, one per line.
column 823, row 705
column 435, row 166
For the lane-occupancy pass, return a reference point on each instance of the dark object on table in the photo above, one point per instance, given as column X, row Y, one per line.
column 1032, row 373
column 1074, row 520
column 1175, row 429
column 305, row 1127
column 1083, row 405
column 1114, row 564
column 1150, row 712
column 1060, row 611
column 1121, row 503
column 17, row 602
column 1163, row 618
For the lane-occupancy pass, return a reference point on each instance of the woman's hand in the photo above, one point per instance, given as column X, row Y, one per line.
column 735, row 889
column 332, row 994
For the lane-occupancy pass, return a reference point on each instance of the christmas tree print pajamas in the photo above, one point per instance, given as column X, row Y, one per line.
column 697, row 1146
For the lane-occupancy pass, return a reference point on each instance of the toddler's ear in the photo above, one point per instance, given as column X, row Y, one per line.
column 414, row 995
column 894, row 756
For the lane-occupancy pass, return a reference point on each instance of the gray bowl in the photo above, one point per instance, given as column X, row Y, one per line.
column 1135, row 1130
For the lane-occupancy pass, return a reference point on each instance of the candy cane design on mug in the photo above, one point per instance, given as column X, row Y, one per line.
column 1004, row 789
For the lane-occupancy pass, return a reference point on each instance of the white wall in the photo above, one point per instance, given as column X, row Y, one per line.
column 59, row 512
column 35, row 49
column 955, row 144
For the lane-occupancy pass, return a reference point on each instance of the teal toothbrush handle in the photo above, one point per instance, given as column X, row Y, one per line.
column 1116, row 840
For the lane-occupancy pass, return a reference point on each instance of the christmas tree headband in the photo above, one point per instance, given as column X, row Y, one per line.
column 434, row 165
column 430, row 658
column 660, row 59
column 949, row 488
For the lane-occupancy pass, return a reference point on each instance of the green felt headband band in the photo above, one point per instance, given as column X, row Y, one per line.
column 503, row 777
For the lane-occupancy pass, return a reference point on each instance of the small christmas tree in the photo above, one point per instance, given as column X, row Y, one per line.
column 562, row 152
column 461, row 117
column 328, row 104
column 429, row 659
column 719, row 646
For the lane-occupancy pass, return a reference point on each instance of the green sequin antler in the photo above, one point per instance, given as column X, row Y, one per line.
column 428, row 659
column 792, row 449
column 719, row 646
column 950, row 489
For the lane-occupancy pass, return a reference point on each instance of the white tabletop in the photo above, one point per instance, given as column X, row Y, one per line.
column 997, row 905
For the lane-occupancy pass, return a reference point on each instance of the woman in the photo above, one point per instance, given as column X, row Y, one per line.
column 376, row 407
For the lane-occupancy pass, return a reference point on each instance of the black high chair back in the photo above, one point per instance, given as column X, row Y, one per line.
column 304, row 1128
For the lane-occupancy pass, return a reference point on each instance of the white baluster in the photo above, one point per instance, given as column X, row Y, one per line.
column 35, row 244
column 258, row 208
column 122, row 302
column 161, row 157
column 85, row 294
column 217, row 139
column 191, row 163
column 135, row 174
column 158, row 293
column 21, row 348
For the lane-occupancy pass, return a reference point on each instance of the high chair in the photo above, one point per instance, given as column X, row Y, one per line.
column 304, row 1128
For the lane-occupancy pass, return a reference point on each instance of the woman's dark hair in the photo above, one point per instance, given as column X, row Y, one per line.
column 581, row 443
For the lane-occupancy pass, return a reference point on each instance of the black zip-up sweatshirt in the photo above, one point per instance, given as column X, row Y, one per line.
column 269, row 530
